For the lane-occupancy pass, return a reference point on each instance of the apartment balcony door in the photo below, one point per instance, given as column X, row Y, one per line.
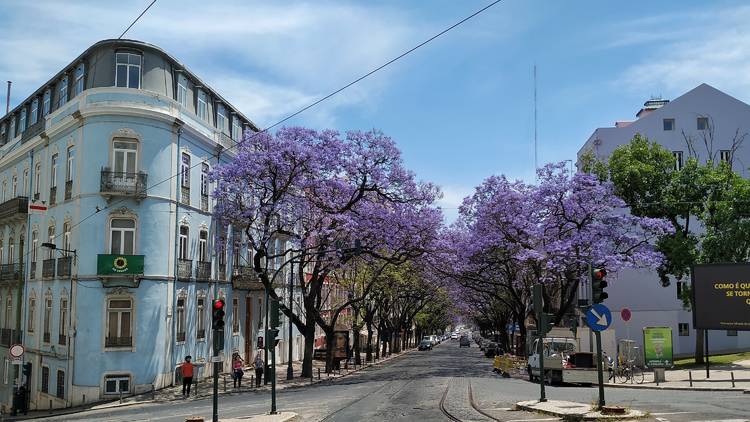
column 249, row 331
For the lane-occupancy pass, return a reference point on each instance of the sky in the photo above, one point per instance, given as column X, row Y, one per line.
column 461, row 108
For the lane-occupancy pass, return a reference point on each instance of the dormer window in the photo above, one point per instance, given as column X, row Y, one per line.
column 236, row 128
column 182, row 85
column 128, row 70
column 62, row 91
column 22, row 121
column 202, row 106
column 79, row 81
column 46, row 103
column 34, row 111
column 221, row 118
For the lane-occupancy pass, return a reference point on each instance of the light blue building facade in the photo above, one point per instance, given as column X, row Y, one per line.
column 117, row 147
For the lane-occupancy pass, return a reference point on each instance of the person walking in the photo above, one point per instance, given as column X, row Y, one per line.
column 237, row 370
column 258, row 364
column 187, row 375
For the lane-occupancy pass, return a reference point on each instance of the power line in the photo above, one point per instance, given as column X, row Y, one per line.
column 136, row 20
column 303, row 109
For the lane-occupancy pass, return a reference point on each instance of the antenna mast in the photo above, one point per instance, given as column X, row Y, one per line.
column 536, row 163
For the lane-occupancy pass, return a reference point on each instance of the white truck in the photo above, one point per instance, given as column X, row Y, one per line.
column 564, row 362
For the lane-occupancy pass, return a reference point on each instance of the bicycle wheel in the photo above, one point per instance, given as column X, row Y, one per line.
column 624, row 375
column 638, row 375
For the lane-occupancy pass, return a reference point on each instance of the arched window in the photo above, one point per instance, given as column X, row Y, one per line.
column 31, row 321
column 63, row 323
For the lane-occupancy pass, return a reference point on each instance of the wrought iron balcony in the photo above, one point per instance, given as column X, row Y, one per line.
column 185, row 195
column 10, row 271
column 203, row 270
column 184, row 268
column 123, row 184
column 17, row 207
column 68, row 189
column 204, row 203
column 180, row 336
column 46, row 337
column 62, row 339
column 118, row 341
column 63, row 266
column 48, row 268
column 53, row 195
column 222, row 272
column 244, row 277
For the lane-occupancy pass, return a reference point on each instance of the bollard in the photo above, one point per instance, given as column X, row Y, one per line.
column 690, row 374
column 318, row 374
column 732, row 373
column 252, row 381
column 153, row 392
column 120, row 397
column 225, row 384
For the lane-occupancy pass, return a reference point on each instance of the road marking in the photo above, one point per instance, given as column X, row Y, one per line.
column 662, row 419
column 669, row 413
column 533, row 420
column 724, row 420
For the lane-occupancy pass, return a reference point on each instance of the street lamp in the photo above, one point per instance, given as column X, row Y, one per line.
column 54, row 247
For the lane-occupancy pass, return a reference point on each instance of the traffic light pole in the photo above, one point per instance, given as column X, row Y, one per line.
column 216, row 382
column 599, row 369
column 273, row 376
column 541, row 323
column 540, row 352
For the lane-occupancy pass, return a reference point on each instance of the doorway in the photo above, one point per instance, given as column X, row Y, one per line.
column 248, row 329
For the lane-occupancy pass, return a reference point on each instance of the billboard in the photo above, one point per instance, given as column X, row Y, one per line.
column 721, row 296
column 657, row 347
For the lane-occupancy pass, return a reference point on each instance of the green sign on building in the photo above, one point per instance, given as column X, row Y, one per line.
column 119, row 264
column 657, row 347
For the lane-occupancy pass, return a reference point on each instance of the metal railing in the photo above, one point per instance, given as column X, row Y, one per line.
column 118, row 341
column 53, row 195
column 204, row 203
column 68, row 189
column 185, row 195
column 46, row 337
column 10, row 271
column 222, row 272
column 48, row 268
column 14, row 207
column 203, row 270
column 123, row 183
column 63, row 266
column 62, row 339
column 184, row 268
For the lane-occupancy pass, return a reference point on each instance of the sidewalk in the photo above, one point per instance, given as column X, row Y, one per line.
column 680, row 379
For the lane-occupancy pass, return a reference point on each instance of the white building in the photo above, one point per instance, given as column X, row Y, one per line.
column 702, row 114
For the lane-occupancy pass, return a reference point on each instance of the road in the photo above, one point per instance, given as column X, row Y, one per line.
column 433, row 386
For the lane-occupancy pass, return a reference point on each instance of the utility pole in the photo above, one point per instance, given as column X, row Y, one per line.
column 289, row 370
column 541, row 320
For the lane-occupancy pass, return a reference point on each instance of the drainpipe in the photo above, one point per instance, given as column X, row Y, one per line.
column 173, row 360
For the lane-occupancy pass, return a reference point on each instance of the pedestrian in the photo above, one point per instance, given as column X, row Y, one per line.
column 187, row 375
column 258, row 364
column 237, row 371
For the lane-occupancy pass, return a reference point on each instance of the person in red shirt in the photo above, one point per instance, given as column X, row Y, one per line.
column 187, row 375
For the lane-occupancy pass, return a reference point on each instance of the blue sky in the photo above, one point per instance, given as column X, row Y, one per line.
column 460, row 108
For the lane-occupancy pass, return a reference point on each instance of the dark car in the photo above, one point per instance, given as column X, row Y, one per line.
column 493, row 349
column 425, row 345
column 464, row 342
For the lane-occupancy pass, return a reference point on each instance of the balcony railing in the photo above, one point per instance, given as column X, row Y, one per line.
column 53, row 195
column 48, row 268
column 203, row 270
column 9, row 336
column 185, row 195
column 200, row 334
column 115, row 183
column 46, row 337
column 32, row 270
column 62, row 339
column 118, row 342
column 222, row 271
column 204, row 203
column 181, row 336
column 63, row 266
column 68, row 189
column 184, row 268
column 243, row 277
column 16, row 207
column 33, row 130
column 10, row 271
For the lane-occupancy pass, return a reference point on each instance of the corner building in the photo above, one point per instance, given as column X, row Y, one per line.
column 118, row 146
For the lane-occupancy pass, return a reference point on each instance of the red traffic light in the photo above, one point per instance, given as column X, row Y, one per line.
column 218, row 304
column 600, row 273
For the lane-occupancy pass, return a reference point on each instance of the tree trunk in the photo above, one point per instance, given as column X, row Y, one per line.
column 377, row 346
column 329, row 350
column 356, row 345
column 307, row 359
column 699, row 352
column 368, row 356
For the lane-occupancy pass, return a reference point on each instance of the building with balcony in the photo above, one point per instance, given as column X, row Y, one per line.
column 118, row 145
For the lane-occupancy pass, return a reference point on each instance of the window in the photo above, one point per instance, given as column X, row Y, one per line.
column 116, row 384
column 200, row 319
column 53, row 172
column 128, row 70
column 236, row 129
column 63, row 324
column 119, row 323
column 204, row 179
column 725, row 156
column 45, row 379
column 122, row 236
column 731, row 333
column 50, row 239
column 11, row 250
column 702, row 123
column 70, row 168
column 221, row 118
column 8, row 320
column 13, row 127
column 185, row 170
column 668, row 124
column 47, row 318
column 22, row 121
column 203, row 246
column 32, row 315
column 5, row 190
column 202, row 108
column 25, row 182
column 37, row 180
column 184, row 232
column 34, row 111
column 14, row 186
column 677, row 160
column 79, row 80
column 124, row 156
column 34, row 245
column 46, row 102
column 62, row 92
column 180, row 319
column 60, row 384
column 182, row 90
column 684, row 329
column 3, row 130
column 235, row 316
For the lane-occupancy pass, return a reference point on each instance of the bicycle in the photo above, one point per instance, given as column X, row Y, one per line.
column 631, row 372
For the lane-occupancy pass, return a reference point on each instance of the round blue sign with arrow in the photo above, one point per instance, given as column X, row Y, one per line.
column 598, row 317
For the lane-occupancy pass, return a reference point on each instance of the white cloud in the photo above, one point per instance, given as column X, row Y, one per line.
column 453, row 197
column 713, row 48
column 269, row 58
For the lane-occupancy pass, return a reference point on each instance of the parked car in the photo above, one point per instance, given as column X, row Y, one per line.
column 434, row 340
column 454, row 336
column 492, row 349
column 425, row 345
column 464, row 342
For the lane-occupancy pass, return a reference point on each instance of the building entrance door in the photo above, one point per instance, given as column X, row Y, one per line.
column 248, row 329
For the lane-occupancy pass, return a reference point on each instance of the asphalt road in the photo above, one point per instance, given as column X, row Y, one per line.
column 429, row 386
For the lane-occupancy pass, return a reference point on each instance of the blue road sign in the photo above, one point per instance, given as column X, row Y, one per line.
column 598, row 317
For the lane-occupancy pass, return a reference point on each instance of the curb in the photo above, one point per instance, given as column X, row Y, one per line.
column 591, row 416
column 676, row 388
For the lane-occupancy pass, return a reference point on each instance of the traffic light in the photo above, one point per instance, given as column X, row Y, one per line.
column 271, row 340
column 544, row 324
column 275, row 314
column 217, row 314
column 27, row 369
column 598, row 284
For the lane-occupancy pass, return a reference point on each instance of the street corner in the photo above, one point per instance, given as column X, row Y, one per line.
column 572, row 411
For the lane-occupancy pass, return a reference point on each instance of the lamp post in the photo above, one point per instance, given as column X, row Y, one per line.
column 289, row 370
